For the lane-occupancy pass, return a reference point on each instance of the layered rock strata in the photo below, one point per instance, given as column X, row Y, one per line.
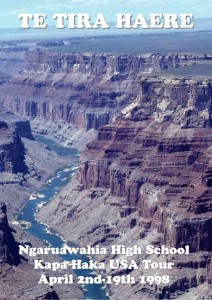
column 87, row 90
column 8, row 247
column 12, row 61
column 157, row 159
column 11, row 150
column 167, row 162
column 26, row 165
column 146, row 180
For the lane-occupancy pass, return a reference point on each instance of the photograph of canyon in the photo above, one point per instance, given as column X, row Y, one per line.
column 106, row 140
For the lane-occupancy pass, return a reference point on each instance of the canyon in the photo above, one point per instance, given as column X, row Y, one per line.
column 15, row 271
column 146, row 179
column 86, row 90
column 145, row 176
column 26, row 165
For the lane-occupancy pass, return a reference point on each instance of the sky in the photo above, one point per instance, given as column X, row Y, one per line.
column 10, row 9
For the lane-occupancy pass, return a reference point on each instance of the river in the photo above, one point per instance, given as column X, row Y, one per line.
column 27, row 217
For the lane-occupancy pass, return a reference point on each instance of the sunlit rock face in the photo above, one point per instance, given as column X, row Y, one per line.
column 157, row 160
column 150, row 164
column 157, row 156
column 88, row 90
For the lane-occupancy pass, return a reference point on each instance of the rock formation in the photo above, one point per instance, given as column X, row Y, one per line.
column 12, row 60
column 157, row 159
column 9, row 257
column 11, row 148
column 146, row 179
column 88, row 90
column 9, row 252
column 25, row 165
column 169, row 153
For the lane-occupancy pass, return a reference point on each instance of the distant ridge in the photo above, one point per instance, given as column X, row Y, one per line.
column 201, row 25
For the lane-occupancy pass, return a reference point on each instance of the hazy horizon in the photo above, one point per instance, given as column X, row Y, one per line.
column 51, row 32
column 11, row 9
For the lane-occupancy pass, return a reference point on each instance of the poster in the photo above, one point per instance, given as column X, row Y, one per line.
column 105, row 150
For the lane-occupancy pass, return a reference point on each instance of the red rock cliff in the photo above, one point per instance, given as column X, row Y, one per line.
column 157, row 157
column 88, row 90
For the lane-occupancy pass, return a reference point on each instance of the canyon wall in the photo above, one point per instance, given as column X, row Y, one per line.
column 9, row 252
column 185, row 101
column 12, row 151
column 12, row 60
column 157, row 156
column 149, row 170
column 156, row 163
column 109, row 64
column 87, row 90
column 14, row 270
